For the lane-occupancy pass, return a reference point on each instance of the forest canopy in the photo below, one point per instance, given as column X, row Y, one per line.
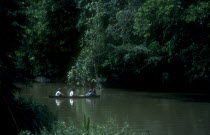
column 132, row 43
column 115, row 43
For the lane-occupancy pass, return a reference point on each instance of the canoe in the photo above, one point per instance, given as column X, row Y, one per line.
column 79, row 96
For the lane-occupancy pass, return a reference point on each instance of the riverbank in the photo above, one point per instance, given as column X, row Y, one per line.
column 61, row 128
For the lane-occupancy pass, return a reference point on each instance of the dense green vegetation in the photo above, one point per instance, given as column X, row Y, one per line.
column 25, row 53
column 116, row 43
column 49, row 39
column 109, row 128
column 143, row 44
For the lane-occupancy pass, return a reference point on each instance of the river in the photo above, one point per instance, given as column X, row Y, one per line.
column 159, row 113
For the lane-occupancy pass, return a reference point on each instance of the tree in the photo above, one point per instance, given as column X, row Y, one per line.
column 149, row 41
column 49, row 41
column 15, row 113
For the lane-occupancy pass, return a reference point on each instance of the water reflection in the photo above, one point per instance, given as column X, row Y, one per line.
column 71, row 101
column 58, row 102
column 88, row 100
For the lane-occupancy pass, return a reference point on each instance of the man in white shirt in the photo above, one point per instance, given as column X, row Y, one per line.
column 58, row 93
column 71, row 93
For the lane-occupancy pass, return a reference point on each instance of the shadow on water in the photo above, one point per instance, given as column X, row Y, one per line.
column 181, row 96
column 185, row 97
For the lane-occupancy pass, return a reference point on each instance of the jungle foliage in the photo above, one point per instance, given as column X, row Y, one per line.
column 49, row 38
column 143, row 44
column 117, row 43
column 108, row 128
column 26, row 53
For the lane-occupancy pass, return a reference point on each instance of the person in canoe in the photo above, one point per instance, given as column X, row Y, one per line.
column 59, row 93
column 91, row 92
column 71, row 93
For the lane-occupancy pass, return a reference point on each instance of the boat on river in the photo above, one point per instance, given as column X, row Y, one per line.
column 76, row 96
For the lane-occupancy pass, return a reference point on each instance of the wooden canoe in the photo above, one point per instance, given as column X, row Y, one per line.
column 79, row 96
